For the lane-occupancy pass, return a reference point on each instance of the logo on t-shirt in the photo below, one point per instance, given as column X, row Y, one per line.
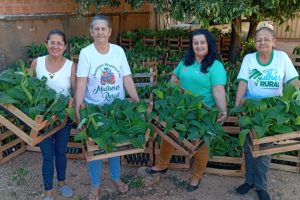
column 268, row 78
column 107, row 77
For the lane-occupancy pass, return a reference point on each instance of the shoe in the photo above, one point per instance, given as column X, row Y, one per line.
column 191, row 188
column 244, row 188
column 66, row 191
column 263, row 195
column 149, row 170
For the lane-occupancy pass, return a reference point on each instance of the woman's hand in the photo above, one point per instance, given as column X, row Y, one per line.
column 222, row 117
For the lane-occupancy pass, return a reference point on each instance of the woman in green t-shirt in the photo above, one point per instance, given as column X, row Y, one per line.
column 203, row 74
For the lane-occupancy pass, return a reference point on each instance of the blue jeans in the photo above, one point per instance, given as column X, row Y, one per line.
column 53, row 149
column 95, row 168
column 256, row 168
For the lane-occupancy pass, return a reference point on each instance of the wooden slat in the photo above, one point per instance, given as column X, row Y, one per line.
column 224, row 159
column 13, row 155
column 277, row 149
column 276, row 138
column 285, row 168
column 286, row 158
column 27, row 120
column 224, row 172
column 5, row 135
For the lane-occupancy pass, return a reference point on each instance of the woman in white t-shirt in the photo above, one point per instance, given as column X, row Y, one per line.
column 262, row 75
column 60, row 74
column 102, row 75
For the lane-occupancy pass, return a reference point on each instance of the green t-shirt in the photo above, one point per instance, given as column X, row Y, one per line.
column 191, row 78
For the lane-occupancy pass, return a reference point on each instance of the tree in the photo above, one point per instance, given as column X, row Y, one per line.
column 219, row 11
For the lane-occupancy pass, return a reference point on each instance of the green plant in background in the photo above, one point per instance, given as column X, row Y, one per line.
column 247, row 47
column 77, row 43
column 296, row 50
column 36, row 50
column 133, row 181
column 129, row 35
column 19, row 176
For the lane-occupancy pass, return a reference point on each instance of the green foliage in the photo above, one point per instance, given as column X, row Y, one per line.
column 226, row 146
column 31, row 95
column 19, row 176
column 111, row 124
column 297, row 50
column 36, row 50
column 77, row 43
column 247, row 47
column 271, row 116
column 185, row 113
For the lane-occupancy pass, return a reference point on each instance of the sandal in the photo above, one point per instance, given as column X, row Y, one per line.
column 122, row 187
column 93, row 196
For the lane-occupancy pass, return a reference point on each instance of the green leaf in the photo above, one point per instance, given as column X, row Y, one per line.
column 80, row 136
column 71, row 112
column 260, row 131
column 281, row 129
column 180, row 127
column 242, row 136
column 159, row 94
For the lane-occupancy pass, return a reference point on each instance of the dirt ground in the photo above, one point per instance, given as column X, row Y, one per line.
column 21, row 179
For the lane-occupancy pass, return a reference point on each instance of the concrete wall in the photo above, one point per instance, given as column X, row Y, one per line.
column 23, row 22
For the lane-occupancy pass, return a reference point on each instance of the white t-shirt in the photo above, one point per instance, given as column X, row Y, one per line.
column 105, row 73
column 60, row 81
column 266, row 80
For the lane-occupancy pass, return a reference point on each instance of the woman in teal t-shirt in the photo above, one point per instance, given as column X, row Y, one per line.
column 203, row 74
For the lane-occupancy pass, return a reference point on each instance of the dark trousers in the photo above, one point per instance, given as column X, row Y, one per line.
column 54, row 151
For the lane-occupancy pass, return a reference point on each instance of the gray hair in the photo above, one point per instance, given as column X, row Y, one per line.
column 264, row 28
column 100, row 17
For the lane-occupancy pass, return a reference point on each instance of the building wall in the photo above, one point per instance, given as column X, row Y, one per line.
column 23, row 22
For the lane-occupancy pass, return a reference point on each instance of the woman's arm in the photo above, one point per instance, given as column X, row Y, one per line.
column 239, row 99
column 33, row 67
column 175, row 79
column 220, row 98
column 79, row 94
column 130, row 87
column 73, row 78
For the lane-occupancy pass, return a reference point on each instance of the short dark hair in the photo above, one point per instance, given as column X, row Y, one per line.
column 212, row 55
column 100, row 17
column 57, row 32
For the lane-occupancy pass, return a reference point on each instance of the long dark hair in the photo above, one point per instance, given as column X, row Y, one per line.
column 189, row 57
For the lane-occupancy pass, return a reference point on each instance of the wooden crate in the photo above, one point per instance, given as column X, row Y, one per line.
column 174, row 43
column 184, row 43
column 178, row 161
column 75, row 150
column 186, row 147
column 92, row 151
column 150, row 41
column 12, row 148
column 151, row 76
column 230, row 125
column 279, row 143
column 140, row 159
column 30, row 129
column 224, row 48
column 227, row 166
column 126, row 42
column 286, row 162
column 296, row 60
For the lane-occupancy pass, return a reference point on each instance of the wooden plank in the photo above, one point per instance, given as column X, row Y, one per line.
column 112, row 154
column 22, row 116
column 273, row 150
column 286, row 158
column 275, row 138
column 13, row 155
column 15, row 130
column 231, row 130
column 5, row 135
column 285, row 168
column 225, row 159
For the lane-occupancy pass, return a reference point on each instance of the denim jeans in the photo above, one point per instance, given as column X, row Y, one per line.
column 95, row 168
column 256, row 168
column 53, row 150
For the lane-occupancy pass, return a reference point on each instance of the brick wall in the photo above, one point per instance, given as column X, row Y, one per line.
column 12, row 7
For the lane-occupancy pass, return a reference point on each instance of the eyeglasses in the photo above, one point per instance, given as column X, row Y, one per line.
column 260, row 40
column 53, row 43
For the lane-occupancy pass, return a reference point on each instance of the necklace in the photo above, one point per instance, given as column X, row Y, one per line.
column 58, row 66
column 51, row 75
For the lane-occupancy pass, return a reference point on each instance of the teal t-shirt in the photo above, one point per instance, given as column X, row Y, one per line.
column 191, row 78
